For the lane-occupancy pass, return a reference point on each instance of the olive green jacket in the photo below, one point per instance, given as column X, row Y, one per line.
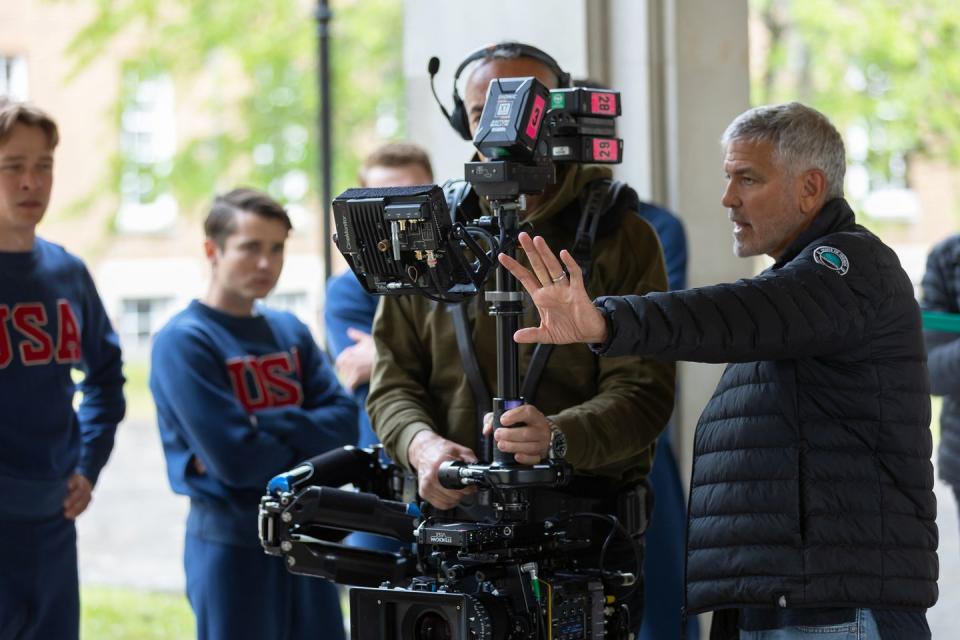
column 610, row 409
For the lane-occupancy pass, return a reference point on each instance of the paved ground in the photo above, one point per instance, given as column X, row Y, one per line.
column 133, row 534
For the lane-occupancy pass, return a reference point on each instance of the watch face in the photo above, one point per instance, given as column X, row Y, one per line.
column 558, row 443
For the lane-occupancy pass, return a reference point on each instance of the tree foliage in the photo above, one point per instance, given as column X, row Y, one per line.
column 888, row 67
column 245, row 80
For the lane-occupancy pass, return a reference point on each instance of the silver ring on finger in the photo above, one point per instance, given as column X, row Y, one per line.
column 559, row 278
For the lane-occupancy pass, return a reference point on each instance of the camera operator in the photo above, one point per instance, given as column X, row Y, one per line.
column 243, row 393
column 605, row 413
column 812, row 513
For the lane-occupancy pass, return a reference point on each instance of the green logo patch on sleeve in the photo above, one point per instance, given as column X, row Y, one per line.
column 833, row 259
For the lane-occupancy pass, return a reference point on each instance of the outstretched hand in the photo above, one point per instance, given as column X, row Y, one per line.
column 567, row 313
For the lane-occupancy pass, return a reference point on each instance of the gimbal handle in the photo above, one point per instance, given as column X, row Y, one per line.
column 457, row 474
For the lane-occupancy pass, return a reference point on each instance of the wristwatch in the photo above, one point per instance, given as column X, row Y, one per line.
column 558, row 442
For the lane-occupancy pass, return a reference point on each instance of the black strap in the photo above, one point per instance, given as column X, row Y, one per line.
column 457, row 193
column 471, row 366
column 598, row 198
column 531, row 381
column 460, row 196
column 596, row 201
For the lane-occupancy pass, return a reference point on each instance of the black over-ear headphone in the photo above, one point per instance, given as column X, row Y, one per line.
column 459, row 119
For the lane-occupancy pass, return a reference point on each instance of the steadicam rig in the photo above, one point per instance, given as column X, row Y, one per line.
column 508, row 565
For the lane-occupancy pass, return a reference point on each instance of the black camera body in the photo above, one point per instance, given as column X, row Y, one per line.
column 576, row 611
column 525, row 129
column 523, row 121
column 524, row 557
column 401, row 240
column 509, row 567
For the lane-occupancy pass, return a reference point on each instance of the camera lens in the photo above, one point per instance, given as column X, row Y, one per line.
column 431, row 625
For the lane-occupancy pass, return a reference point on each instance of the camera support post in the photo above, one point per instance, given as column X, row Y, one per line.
column 511, row 127
column 507, row 306
column 498, row 469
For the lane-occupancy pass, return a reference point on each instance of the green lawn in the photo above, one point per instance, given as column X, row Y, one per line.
column 109, row 613
column 139, row 401
column 112, row 613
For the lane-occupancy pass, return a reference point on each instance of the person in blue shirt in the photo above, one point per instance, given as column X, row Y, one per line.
column 348, row 312
column 51, row 322
column 243, row 393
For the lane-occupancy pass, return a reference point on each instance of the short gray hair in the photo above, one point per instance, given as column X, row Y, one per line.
column 803, row 138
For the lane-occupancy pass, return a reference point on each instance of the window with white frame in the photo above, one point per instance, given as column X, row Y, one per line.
column 13, row 77
column 140, row 318
column 881, row 189
column 147, row 145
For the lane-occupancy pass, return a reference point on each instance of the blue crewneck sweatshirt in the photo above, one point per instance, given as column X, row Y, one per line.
column 52, row 321
column 249, row 397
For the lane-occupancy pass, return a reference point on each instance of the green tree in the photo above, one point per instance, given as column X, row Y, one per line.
column 247, row 69
column 886, row 67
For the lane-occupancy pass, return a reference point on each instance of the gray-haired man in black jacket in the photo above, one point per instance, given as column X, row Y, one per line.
column 812, row 513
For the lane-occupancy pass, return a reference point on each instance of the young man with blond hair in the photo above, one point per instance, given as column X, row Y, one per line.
column 51, row 322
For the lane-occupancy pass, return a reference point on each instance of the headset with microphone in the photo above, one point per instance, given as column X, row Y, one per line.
column 459, row 119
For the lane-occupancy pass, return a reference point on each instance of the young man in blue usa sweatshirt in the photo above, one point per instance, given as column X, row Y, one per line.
column 243, row 393
column 51, row 322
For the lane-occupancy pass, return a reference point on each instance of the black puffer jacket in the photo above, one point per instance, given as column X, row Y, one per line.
column 941, row 292
column 812, row 481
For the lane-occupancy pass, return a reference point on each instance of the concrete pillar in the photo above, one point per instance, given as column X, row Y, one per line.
column 706, row 83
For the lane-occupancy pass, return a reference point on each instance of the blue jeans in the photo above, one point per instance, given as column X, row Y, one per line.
column 864, row 627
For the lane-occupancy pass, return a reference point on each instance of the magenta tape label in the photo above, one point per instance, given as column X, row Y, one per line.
column 536, row 116
column 603, row 103
column 605, row 150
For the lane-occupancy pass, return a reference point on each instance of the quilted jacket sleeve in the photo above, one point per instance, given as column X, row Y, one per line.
column 802, row 308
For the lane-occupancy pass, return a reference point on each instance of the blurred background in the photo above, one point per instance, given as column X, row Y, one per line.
column 163, row 104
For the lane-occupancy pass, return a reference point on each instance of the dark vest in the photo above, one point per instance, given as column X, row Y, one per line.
column 812, row 481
